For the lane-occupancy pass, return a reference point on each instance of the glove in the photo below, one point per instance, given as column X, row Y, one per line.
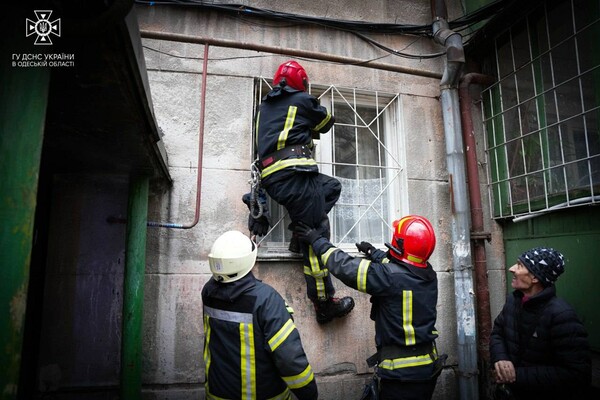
column 306, row 234
column 258, row 226
column 365, row 247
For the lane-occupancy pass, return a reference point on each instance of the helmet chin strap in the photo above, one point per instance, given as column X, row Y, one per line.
column 394, row 249
column 283, row 83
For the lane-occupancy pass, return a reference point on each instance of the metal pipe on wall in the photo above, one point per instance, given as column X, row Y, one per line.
column 478, row 234
column 133, row 289
column 258, row 47
column 178, row 37
column 200, row 154
column 461, row 252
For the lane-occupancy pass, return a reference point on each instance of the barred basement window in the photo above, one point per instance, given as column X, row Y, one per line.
column 542, row 116
column 363, row 151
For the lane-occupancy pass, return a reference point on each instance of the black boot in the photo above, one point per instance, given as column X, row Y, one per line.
column 333, row 308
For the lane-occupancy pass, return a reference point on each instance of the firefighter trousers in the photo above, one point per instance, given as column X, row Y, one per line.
column 308, row 197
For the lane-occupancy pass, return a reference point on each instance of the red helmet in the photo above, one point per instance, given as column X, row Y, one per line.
column 294, row 75
column 413, row 240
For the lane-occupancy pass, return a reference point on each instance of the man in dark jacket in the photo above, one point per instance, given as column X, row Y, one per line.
column 538, row 346
column 252, row 349
column 403, row 286
column 288, row 119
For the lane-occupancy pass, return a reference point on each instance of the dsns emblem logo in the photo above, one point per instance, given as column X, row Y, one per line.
column 43, row 27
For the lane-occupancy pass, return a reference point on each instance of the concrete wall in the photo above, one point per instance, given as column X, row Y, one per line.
column 177, row 259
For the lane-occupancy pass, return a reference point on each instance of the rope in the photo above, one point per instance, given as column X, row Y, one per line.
column 256, row 207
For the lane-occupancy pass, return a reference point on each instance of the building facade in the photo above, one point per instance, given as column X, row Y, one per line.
column 387, row 148
column 138, row 159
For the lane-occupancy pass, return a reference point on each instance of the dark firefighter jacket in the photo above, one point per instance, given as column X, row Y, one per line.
column 547, row 344
column 404, row 309
column 288, row 117
column 252, row 349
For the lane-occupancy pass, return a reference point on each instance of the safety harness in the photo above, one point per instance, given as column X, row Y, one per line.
column 256, row 207
column 395, row 351
column 296, row 151
column 256, row 168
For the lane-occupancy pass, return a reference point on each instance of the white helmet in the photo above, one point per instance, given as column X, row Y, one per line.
column 232, row 256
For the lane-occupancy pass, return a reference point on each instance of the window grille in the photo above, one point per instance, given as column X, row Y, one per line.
column 362, row 151
column 541, row 117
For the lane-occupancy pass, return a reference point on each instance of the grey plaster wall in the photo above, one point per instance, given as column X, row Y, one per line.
column 177, row 259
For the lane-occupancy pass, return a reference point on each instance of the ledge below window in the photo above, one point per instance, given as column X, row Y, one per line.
column 277, row 255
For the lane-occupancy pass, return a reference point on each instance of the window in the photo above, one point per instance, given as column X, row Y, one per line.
column 362, row 151
column 542, row 116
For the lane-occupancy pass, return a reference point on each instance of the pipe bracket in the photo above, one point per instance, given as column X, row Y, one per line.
column 465, row 268
column 443, row 34
column 481, row 236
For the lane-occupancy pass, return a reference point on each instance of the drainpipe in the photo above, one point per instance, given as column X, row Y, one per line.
column 133, row 290
column 461, row 252
column 478, row 235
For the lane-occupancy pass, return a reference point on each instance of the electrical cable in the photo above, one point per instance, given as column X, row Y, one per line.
column 201, row 58
column 358, row 28
column 242, row 10
column 398, row 53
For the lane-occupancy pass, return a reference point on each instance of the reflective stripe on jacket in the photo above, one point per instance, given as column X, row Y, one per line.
column 288, row 117
column 404, row 308
column 252, row 349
